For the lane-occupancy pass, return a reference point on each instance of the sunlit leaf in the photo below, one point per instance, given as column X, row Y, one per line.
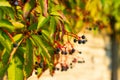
column 7, row 25
column 17, row 37
column 29, row 5
column 4, row 3
column 1, row 14
column 52, row 26
column 5, row 42
column 33, row 26
column 17, row 25
column 15, row 71
column 42, row 21
column 44, row 7
column 10, row 11
column 61, row 15
column 3, row 69
column 41, row 43
column 29, row 58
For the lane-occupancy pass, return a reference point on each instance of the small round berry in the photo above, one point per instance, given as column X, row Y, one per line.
column 83, row 41
column 15, row 44
column 70, row 63
column 83, row 61
column 75, row 40
column 80, row 52
column 41, row 65
column 79, row 41
column 80, row 61
column 16, row 3
column 58, row 50
column 83, row 36
column 39, row 33
column 64, row 52
column 57, row 69
column 90, row 29
column 36, row 62
column 54, row 68
column 36, row 68
column 73, row 50
column 36, row 72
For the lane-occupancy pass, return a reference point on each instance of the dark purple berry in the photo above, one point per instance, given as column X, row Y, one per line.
column 16, row 3
column 36, row 62
column 75, row 40
column 72, row 51
column 64, row 52
column 80, row 52
column 90, row 29
column 15, row 44
column 57, row 69
column 41, row 65
column 70, row 63
column 57, row 50
column 83, row 36
column 54, row 68
column 36, row 72
column 62, row 70
column 39, row 33
column 79, row 41
column 80, row 61
column 83, row 61
column 83, row 41
column 36, row 68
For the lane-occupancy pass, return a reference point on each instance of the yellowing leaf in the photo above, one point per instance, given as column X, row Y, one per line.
column 17, row 25
column 5, row 3
column 17, row 37
column 6, row 24
column 42, row 21
column 28, row 7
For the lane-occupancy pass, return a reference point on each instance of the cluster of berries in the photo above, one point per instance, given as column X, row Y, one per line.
column 38, row 65
column 67, row 50
column 81, row 40
column 64, row 51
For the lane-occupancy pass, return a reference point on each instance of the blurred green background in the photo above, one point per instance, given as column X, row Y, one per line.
column 103, row 14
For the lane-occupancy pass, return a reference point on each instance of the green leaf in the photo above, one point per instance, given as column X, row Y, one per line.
column 43, row 46
column 61, row 15
column 44, row 7
column 29, row 5
column 3, row 69
column 10, row 11
column 7, row 25
column 5, row 42
column 42, row 21
column 29, row 58
column 1, row 14
column 17, row 37
column 33, row 26
column 5, row 57
column 4, row 3
column 67, row 27
column 15, row 70
column 52, row 26
column 103, row 2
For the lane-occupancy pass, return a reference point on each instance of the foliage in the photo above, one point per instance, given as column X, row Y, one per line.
column 31, row 30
